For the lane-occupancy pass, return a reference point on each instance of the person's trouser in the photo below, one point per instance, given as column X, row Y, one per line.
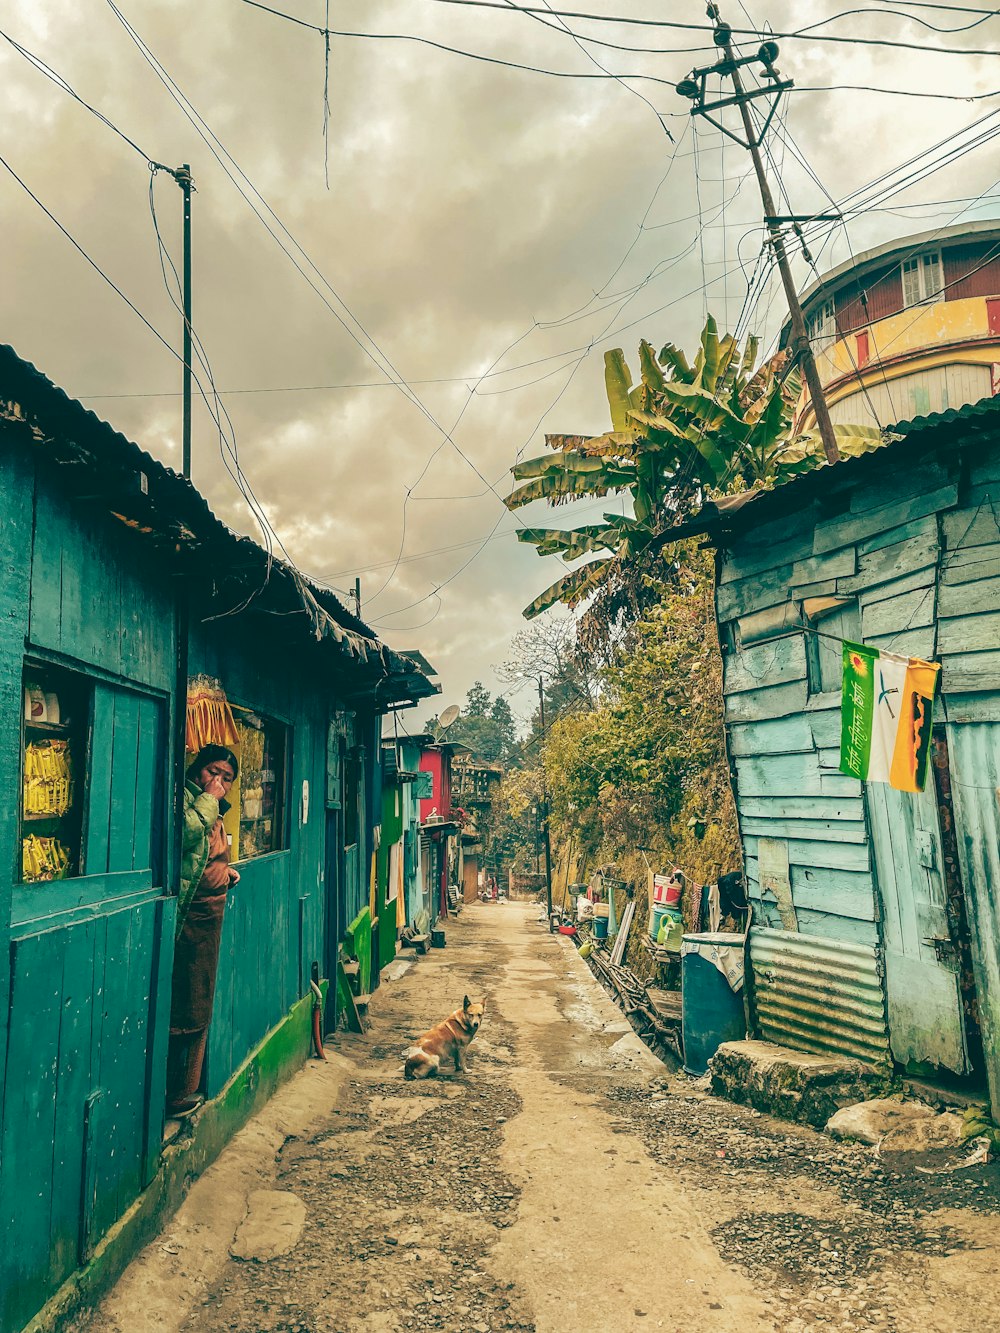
column 185, row 1058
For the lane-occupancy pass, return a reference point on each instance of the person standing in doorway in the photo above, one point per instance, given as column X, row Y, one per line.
column 206, row 877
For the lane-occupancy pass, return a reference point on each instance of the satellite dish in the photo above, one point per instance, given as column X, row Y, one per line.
column 449, row 715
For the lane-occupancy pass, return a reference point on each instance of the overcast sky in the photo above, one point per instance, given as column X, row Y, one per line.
column 478, row 219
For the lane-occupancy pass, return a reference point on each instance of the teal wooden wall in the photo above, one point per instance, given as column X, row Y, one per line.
column 275, row 918
column 916, row 546
column 86, row 962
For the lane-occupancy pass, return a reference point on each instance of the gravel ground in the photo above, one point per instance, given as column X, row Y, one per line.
column 568, row 1183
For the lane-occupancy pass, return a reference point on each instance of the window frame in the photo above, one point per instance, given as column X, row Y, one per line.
column 919, row 265
column 821, row 325
column 817, row 652
column 280, row 814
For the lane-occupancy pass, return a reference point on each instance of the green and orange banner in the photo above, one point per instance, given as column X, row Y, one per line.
column 886, row 716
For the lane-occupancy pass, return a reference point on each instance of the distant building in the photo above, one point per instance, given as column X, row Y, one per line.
column 909, row 328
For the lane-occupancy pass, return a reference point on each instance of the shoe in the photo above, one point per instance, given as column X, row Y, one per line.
column 182, row 1109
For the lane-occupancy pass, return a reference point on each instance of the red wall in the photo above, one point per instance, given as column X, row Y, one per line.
column 433, row 762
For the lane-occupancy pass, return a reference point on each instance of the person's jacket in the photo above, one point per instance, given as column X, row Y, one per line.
column 201, row 810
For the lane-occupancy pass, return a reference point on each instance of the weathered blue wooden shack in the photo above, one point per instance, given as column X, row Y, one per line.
column 876, row 912
column 118, row 585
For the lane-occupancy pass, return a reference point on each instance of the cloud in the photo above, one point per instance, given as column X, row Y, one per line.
column 477, row 217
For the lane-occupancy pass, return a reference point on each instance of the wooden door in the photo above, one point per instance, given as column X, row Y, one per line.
column 926, row 1025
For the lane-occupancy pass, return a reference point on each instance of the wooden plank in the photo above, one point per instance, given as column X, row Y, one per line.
column 917, row 581
column 849, row 929
column 149, row 765
column 833, row 830
column 983, row 707
column 29, row 1125
column 908, row 611
column 835, row 893
column 763, row 664
column 132, row 1043
column 774, row 701
column 17, row 516
column 919, row 530
column 904, row 482
column 970, row 634
column 769, row 588
column 74, row 1084
column 98, row 808
column 975, row 526
column 802, row 807
column 855, row 527
column 832, row 564
column 776, row 775
column 825, row 724
column 889, row 563
column 829, row 853
column 124, row 781
column 785, row 735
column 769, row 548
column 968, row 564
column 908, row 642
column 971, row 598
column 165, row 915
column 46, row 571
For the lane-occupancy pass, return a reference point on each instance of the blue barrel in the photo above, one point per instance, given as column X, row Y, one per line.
column 712, row 1012
column 600, row 927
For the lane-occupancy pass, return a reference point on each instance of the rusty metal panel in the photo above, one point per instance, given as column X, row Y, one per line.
column 975, row 778
column 824, row 996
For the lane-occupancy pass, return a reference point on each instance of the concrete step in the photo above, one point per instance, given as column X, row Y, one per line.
column 792, row 1084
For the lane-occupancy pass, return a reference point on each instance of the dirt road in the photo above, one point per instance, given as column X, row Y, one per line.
column 566, row 1183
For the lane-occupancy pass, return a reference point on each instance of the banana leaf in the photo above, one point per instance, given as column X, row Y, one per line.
column 573, row 543
column 571, row 589
column 554, row 465
column 672, row 356
column 618, row 382
column 565, row 441
column 652, row 374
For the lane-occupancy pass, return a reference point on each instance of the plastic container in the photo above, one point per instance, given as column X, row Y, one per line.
column 660, row 914
column 600, row 927
column 601, row 910
column 712, row 1012
column 667, row 891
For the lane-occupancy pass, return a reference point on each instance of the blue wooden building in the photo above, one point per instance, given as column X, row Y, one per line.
column 876, row 913
column 119, row 586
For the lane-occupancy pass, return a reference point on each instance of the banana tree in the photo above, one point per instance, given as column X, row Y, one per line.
column 680, row 435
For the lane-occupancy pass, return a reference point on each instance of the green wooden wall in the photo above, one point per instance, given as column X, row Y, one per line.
column 89, row 958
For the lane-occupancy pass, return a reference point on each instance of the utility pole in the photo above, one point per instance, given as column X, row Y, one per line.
column 545, row 812
column 694, row 89
column 357, row 597
column 182, row 176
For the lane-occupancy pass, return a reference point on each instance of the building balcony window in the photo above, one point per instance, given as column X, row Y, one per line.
column 922, row 278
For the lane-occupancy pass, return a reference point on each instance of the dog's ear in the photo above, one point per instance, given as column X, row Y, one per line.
column 466, row 1002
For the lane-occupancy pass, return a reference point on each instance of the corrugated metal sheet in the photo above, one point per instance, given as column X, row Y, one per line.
column 971, row 270
column 975, row 772
column 819, row 995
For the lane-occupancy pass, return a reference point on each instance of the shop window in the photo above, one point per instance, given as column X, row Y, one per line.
column 922, row 280
column 263, row 745
column 56, row 720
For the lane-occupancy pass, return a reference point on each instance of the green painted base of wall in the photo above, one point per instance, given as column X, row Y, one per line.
column 285, row 1049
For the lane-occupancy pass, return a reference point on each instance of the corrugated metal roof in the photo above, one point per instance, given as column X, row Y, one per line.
column 722, row 518
column 819, row 995
column 161, row 504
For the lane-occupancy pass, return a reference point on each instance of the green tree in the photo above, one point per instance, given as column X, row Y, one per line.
column 683, row 432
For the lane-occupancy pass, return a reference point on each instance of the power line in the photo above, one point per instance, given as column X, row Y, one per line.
column 66, row 87
column 458, row 51
column 631, row 21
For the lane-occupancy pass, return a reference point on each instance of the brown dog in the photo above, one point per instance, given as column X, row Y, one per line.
column 447, row 1041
